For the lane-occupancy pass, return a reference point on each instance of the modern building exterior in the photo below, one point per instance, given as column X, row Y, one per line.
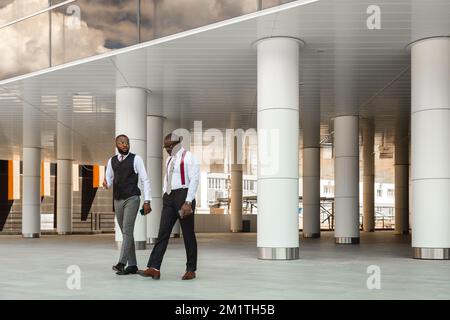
column 305, row 114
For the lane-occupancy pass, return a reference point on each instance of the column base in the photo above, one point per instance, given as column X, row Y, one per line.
column 64, row 233
column 402, row 233
column 151, row 240
column 311, row 235
column 370, row 230
column 175, row 235
column 140, row 245
column 278, row 253
column 346, row 240
column 235, row 231
column 431, row 253
column 31, row 235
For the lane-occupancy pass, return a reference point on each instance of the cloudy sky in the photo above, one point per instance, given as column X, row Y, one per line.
column 104, row 25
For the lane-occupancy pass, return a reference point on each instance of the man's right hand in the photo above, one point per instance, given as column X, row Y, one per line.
column 105, row 184
column 147, row 208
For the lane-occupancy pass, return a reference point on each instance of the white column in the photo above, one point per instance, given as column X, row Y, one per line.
column 346, row 167
column 368, row 175
column 311, row 173
column 278, row 131
column 64, row 166
column 430, row 146
column 236, row 191
column 131, row 111
column 155, row 121
column 31, row 205
column 401, row 177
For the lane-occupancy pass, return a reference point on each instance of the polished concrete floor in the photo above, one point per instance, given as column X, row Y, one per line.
column 227, row 269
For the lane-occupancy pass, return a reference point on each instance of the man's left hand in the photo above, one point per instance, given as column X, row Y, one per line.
column 186, row 208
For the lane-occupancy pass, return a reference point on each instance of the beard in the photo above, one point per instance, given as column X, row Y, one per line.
column 123, row 152
column 175, row 149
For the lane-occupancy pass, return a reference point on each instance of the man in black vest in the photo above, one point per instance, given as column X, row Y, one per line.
column 123, row 171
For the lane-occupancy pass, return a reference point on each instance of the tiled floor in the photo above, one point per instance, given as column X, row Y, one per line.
column 228, row 269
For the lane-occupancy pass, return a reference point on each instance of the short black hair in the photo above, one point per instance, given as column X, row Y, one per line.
column 122, row 136
column 173, row 138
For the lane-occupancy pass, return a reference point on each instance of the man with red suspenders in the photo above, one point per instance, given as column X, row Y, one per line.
column 180, row 186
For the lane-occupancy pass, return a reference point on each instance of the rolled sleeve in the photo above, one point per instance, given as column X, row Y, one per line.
column 142, row 172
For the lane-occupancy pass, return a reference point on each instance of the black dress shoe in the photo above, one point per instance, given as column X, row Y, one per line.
column 128, row 270
column 120, row 267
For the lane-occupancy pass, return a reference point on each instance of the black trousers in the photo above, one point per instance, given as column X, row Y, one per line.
column 171, row 204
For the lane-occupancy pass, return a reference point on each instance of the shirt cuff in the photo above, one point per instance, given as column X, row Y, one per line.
column 189, row 198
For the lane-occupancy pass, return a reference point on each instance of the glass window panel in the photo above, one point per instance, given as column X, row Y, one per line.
column 25, row 46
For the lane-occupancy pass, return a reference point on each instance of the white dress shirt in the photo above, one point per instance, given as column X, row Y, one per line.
column 191, row 173
column 139, row 169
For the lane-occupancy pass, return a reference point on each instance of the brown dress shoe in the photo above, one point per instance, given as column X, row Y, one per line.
column 150, row 272
column 189, row 275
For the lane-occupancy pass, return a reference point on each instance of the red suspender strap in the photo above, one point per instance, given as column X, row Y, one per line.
column 183, row 180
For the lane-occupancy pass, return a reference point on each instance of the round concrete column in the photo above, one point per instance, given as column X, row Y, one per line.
column 131, row 111
column 155, row 121
column 278, row 131
column 31, row 205
column 64, row 166
column 346, row 167
column 368, row 175
column 311, row 173
column 236, row 191
column 401, row 177
column 430, row 146
column 64, row 197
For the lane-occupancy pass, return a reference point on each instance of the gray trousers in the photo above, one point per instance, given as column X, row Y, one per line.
column 126, row 211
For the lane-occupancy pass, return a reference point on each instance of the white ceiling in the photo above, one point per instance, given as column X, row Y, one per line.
column 209, row 74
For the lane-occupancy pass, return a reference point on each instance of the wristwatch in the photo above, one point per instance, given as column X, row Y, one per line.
column 188, row 203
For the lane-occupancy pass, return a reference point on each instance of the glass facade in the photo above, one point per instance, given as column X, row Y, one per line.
column 45, row 33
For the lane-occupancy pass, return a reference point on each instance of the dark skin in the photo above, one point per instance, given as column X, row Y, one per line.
column 123, row 146
column 186, row 209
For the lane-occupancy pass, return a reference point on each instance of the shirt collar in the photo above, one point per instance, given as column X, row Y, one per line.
column 177, row 155
column 124, row 155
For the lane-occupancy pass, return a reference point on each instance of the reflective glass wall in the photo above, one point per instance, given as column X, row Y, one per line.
column 37, row 34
